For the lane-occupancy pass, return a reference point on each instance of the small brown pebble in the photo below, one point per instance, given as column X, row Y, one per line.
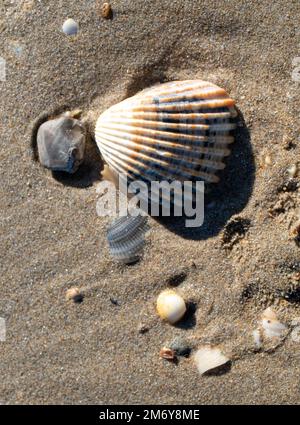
column 167, row 354
column 106, row 11
column 75, row 295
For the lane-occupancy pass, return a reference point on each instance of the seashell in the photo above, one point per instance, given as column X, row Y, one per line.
column 208, row 359
column 167, row 354
column 70, row 27
column 272, row 328
column 170, row 306
column 61, row 144
column 173, row 131
column 126, row 238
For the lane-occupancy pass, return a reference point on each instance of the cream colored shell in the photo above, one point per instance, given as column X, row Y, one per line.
column 170, row 306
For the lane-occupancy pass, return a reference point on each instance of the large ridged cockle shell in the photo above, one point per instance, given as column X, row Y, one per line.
column 172, row 131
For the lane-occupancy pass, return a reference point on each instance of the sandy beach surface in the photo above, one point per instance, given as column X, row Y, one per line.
column 241, row 261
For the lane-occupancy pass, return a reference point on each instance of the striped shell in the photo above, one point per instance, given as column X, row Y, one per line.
column 126, row 238
column 173, row 131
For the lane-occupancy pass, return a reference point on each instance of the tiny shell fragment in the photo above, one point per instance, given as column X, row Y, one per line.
column 257, row 338
column 293, row 170
column 167, row 354
column 272, row 328
column 208, row 358
column 268, row 161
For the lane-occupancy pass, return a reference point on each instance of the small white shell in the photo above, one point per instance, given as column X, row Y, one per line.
column 208, row 358
column 70, row 27
column 172, row 131
column 170, row 306
column 272, row 328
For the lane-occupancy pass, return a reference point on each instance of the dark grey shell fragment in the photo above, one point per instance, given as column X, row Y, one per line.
column 61, row 144
column 181, row 347
column 126, row 238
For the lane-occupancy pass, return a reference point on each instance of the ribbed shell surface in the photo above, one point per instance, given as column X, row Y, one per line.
column 173, row 131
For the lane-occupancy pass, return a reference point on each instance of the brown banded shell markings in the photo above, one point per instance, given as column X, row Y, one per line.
column 173, row 131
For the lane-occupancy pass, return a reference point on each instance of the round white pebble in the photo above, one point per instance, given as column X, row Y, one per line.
column 70, row 27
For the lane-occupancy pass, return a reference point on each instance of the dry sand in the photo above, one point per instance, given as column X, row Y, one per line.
column 52, row 239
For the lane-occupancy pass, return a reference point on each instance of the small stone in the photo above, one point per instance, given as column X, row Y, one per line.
column 75, row 295
column 106, row 11
column 70, row 27
column 61, row 144
column 181, row 347
column 115, row 302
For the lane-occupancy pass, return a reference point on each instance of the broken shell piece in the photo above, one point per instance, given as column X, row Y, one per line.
column 170, row 306
column 61, row 144
column 269, row 314
column 75, row 295
column 167, row 354
column 272, row 328
column 208, row 359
